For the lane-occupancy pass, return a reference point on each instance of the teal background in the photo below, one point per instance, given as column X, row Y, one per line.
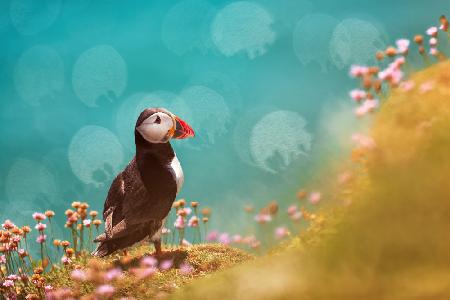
column 165, row 49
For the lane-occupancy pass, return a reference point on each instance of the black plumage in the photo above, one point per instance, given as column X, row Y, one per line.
column 140, row 197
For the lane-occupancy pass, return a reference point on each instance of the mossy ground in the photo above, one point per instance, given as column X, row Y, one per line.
column 205, row 259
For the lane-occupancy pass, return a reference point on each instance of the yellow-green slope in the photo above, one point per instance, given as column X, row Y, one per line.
column 394, row 240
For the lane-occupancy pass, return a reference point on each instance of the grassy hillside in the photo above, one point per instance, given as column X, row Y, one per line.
column 392, row 242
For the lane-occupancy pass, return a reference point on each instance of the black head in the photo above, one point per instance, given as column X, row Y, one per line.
column 158, row 125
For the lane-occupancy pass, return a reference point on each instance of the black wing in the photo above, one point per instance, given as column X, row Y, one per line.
column 129, row 204
column 115, row 196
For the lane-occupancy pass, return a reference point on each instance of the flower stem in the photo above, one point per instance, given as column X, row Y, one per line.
column 81, row 238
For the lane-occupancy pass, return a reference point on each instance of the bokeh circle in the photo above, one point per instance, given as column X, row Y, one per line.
column 39, row 74
column 95, row 155
column 243, row 26
column 99, row 72
column 311, row 39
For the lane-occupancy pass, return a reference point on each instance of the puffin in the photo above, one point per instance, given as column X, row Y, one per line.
column 141, row 196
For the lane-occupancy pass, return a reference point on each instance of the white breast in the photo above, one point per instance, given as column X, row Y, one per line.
column 177, row 172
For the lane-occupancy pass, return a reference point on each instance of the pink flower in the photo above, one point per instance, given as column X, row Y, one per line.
column 21, row 252
column 402, row 45
column 433, row 51
column 212, row 236
column 73, row 218
column 358, row 71
column 371, row 104
column 281, row 232
column 315, row 197
column 8, row 225
column 105, row 290
column 237, row 238
column 249, row 239
column 166, row 264
column 432, row 31
column 87, row 223
column 142, row 273
column 393, row 73
column 426, row 86
column 48, row 288
column 224, row 238
column 41, row 238
column 406, row 85
column 186, row 269
column 433, row 41
column 255, row 244
column 147, row 272
column 292, row 209
column 185, row 243
column 368, row 106
column 385, row 74
column 2, row 259
column 296, row 216
column 78, row 275
column 8, row 283
column 39, row 216
column 357, row 94
column 396, row 76
column 60, row 293
column 13, row 277
column 65, row 260
column 179, row 222
column 193, row 221
column 398, row 62
column 149, row 261
column 113, row 274
column 363, row 141
column 263, row 218
column 184, row 211
column 40, row 226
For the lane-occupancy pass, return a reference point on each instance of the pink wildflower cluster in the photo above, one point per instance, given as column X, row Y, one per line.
column 363, row 141
column 294, row 213
column 78, row 221
column 21, row 269
column 281, row 232
column 227, row 239
column 374, row 79
column 262, row 218
column 267, row 213
column 103, row 278
column 188, row 217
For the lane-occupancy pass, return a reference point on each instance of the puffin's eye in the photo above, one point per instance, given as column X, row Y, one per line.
column 158, row 120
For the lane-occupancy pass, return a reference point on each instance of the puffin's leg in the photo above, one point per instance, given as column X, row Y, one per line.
column 158, row 250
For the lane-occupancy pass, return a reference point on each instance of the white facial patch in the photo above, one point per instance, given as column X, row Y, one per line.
column 156, row 128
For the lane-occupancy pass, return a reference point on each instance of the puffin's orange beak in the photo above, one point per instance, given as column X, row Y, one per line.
column 182, row 130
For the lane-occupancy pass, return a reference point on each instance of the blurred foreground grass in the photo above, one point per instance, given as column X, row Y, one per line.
column 393, row 241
